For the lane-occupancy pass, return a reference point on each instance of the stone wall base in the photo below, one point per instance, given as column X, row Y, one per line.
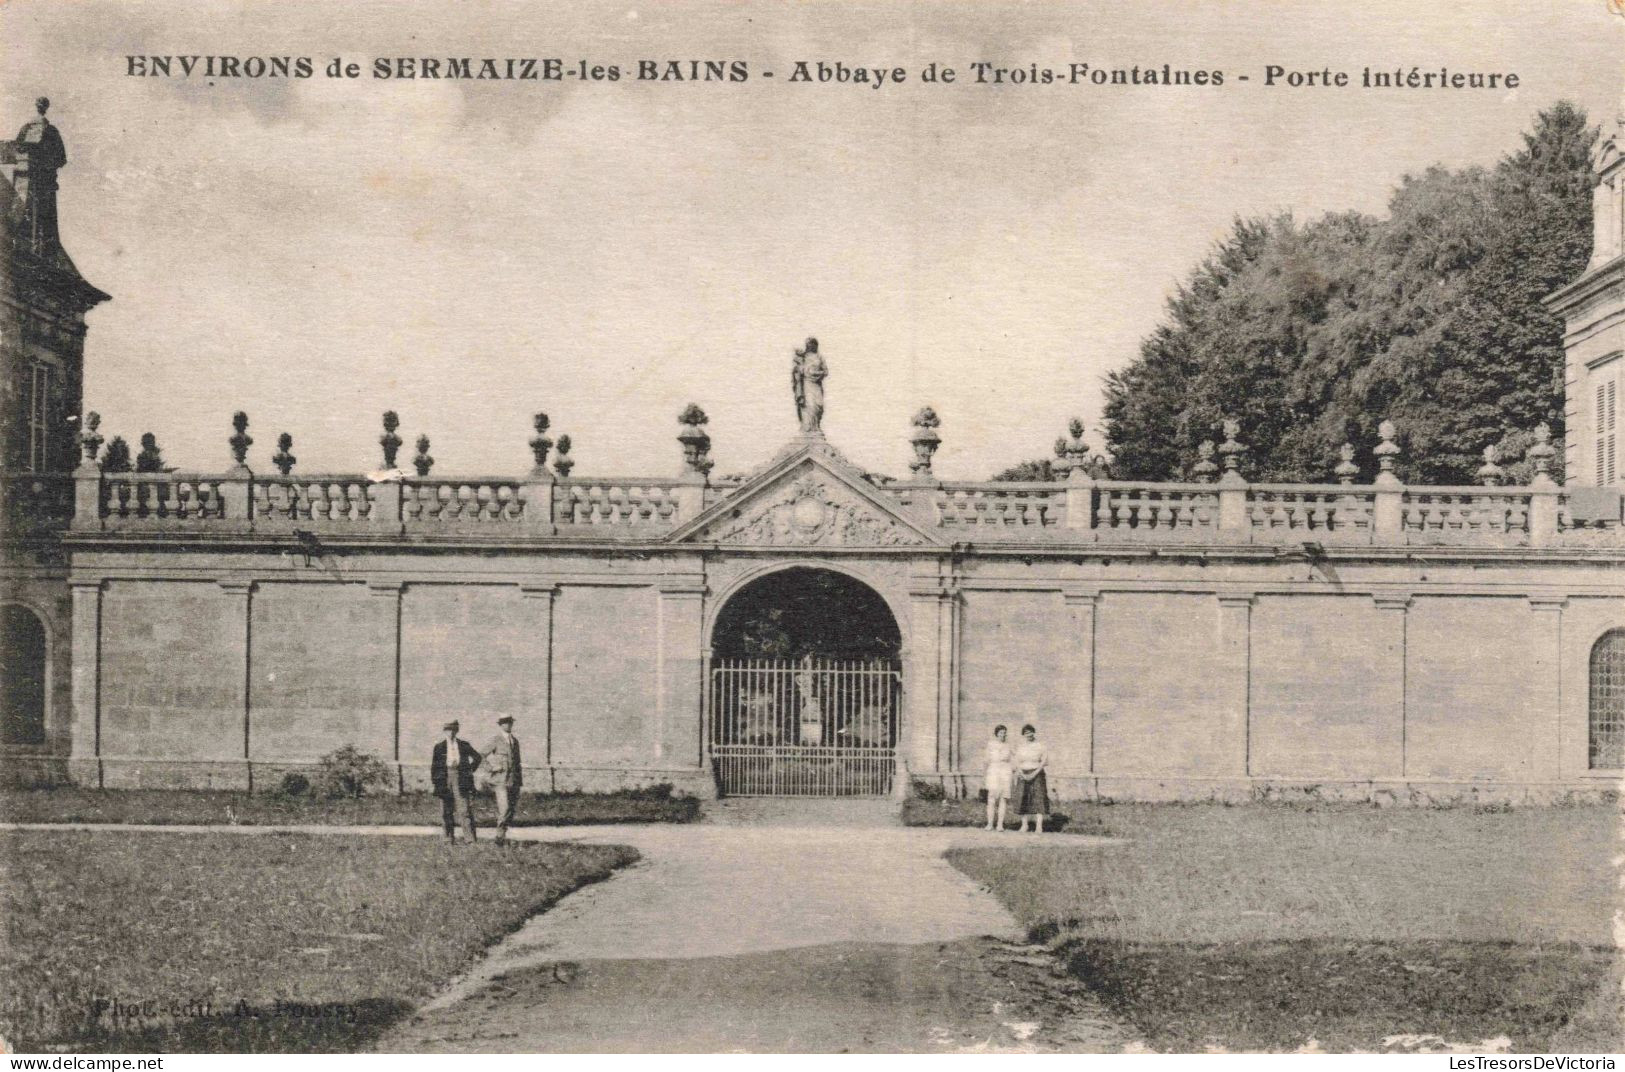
column 266, row 777
column 1380, row 792
column 25, row 770
column 141, row 773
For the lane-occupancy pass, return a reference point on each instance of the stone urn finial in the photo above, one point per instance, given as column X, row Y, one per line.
column 1346, row 469
column 1490, row 474
column 1387, row 452
column 1231, row 451
column 389, row 440
column 1062, row 465
column 1540, row 455
column 925, row 440
column 696, row 442
column 562, row 462
column 1073, row 452
column 540, row 444
column 423, row 461
column 284, row 459
column 1205, row 468
column 240, row 440
column 91, row 439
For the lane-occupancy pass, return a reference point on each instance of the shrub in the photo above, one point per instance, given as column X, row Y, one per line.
column 928, row 791
column 294, row 784
column 350, row 772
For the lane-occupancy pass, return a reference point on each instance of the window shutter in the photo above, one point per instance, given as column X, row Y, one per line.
column 1612, row 430
column 1600, row 436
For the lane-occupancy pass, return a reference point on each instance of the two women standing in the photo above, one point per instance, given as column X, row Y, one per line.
column 1017, row 773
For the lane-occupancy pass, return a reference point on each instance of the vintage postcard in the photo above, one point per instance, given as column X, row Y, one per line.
column 767, row 526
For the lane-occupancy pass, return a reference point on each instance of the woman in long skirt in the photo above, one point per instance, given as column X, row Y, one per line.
column 999, row 775
column 1031, row 788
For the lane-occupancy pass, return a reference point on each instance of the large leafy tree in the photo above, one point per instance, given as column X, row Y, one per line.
column 1312, row 334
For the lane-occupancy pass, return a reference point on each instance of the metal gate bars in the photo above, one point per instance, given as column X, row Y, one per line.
column 807, row 727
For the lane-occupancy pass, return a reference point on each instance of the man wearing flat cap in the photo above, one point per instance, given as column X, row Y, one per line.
column 507, row 773
column 451, row 769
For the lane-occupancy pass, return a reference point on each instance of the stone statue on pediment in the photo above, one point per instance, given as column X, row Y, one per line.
column 807, row 374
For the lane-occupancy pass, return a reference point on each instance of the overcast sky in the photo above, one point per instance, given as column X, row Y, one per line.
column 316, row 251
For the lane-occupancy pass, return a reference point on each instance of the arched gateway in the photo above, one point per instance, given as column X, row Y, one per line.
column 805, row 687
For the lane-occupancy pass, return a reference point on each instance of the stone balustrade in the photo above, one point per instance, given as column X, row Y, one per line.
column 486, row 501
column 1075, row 510
column 312, row 500
column 1132, row 511
column 1004, row 505
column 160, row 500
column 1448, row 514
column 617, row 501
column 1307, row 511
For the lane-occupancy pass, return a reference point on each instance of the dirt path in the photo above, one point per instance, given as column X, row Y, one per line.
column 774, row 937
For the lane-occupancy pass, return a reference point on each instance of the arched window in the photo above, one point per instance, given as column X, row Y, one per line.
column 22, row 676
column 1608, row 701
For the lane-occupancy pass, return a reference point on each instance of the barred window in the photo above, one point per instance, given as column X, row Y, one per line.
column 1608, row 701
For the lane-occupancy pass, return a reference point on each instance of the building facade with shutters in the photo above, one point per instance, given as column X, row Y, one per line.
column 1594, row 309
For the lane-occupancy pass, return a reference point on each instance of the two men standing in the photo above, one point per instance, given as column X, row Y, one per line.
column 451, row 769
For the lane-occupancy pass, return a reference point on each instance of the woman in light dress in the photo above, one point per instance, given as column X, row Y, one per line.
column 1000, row 772
column 1031, row 788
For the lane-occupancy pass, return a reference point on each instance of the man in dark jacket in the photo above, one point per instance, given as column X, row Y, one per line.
column 454, row 780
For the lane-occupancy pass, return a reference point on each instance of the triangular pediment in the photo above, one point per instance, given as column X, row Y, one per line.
column 809, row 496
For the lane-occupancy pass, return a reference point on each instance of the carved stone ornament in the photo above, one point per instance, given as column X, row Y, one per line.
column 813, row 511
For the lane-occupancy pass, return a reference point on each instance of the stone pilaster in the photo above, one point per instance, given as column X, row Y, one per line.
column 538, row 492
column 384, row 516
column 540, row 597
column 1546, row 689
column 85, row 764
column 1080, row 498
column 1394, row 647
column 679, row 688
column 1233, row 693
column 1081, row 607
column 948, row 684
column 388, row 594
column 241, row 592
column 927, row 676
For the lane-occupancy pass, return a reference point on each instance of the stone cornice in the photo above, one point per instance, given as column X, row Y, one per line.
column 1562, row 300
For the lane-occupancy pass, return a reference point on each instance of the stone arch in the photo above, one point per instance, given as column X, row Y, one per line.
column 25, row 675
column 792, row 611
column 717, row 605
column 1605, row 712
column 804, row 683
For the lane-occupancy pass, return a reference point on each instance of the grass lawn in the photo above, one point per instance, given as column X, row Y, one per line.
column 1265, row 927
column 1080, row 819
column 67, row 804
column 277, row 943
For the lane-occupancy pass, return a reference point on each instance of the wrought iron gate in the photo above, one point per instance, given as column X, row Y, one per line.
column 808, row 727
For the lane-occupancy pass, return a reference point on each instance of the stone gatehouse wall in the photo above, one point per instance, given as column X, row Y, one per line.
column 1437, row 674
column 232, row 680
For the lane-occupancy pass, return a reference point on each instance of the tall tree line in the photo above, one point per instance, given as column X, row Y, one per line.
column 1311, row 334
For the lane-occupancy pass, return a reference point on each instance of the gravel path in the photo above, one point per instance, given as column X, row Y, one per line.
column 770, row 938
column 773, row 926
